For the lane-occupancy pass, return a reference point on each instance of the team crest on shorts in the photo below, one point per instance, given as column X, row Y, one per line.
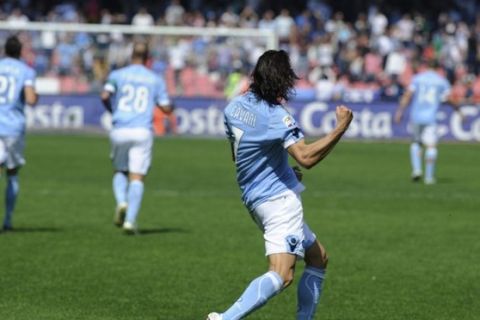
column 292, row 243
column 288, row 121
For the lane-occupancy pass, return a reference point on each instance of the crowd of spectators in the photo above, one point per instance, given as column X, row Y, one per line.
column 372, row 56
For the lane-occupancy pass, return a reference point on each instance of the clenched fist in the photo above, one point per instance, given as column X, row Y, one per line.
column 344, row 116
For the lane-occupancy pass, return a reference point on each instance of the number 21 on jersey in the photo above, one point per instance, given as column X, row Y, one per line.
column 7, row 89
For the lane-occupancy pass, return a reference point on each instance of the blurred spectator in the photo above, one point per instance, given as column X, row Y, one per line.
column 66, row 55
column 378, row 22
column 142, row 18
column 248, row 18
column 177, row 54
column 267, row 21
column 174, row 13
column 229, row 18
column 284, row 25
column 391, row 89
column 17, row 17
column 324, row 81
column 348, row 53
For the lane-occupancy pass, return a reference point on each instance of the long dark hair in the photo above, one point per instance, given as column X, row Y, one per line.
column 273, row 77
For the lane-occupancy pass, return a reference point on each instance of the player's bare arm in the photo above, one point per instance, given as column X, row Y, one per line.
column 105, row 96
column 308, row 155
column 404, row 102
column 168, row 108
column 31, row 96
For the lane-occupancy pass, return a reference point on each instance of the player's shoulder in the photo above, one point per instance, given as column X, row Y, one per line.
column 17, row 64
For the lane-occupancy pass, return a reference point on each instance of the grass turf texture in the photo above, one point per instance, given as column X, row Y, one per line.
column 397, row 250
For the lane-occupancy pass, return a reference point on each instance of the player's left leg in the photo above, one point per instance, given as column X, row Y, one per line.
column 431, row 154
column 120, row 146
column 14, row 160
column 310, row 285
column 263, row 288
column 134, row 198
column 139, row 159
column 120, row 187
column 416, row 152
column 430, row 141
column 11, row 194
column 281, row 220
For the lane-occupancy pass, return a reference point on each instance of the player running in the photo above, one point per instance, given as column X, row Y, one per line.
column 263, row 134
column 130, row 94
column 426, row 92
column 17, row 90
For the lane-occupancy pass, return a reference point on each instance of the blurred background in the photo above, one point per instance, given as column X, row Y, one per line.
column 349, row 51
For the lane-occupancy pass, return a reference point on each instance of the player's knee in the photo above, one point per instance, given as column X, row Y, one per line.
column 316, row 256
column 285, row 272
column 136, row 176
column 431, row 153
column 287, row 278
column 12, row 172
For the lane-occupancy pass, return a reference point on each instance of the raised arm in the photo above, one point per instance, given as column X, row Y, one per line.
column 308, row 155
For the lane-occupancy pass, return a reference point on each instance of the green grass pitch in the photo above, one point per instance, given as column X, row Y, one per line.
column 397, row 250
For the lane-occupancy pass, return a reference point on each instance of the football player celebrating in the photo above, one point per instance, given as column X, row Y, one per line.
column 263, row 134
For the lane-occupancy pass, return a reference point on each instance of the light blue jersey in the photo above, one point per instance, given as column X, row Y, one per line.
column 14, row 77
column 135, row 90
column 429, row 91
column 260, row 134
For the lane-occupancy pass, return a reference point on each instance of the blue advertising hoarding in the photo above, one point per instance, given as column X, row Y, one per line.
column 204, row 117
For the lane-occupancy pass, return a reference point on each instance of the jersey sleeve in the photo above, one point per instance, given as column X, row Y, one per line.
column 286, row 128
column 162, row 98
column 111, row 83
column 30, row 76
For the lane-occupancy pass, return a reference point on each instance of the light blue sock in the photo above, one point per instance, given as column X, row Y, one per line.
column 11, row 194
column 430, row 160
column 120, row 186
column 416, row 158
column 309, row 292
column 135, row 195
column 256, row 295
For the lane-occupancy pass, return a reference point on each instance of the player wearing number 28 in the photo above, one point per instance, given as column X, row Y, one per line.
column 263, row 134
column 131, row 94
column 16, row 90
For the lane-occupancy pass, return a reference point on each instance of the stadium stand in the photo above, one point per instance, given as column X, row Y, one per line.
column 338, row 55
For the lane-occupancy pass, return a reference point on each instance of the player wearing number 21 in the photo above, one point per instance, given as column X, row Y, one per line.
column 16, row 91
column 263, row 134
column 131, row 94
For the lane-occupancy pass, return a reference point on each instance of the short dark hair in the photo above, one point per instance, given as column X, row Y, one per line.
column 13, row 47
column 140, row 51
column 273, row 77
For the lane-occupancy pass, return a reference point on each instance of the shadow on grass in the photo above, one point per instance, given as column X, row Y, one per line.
column 145, row 232
column 31, row 230
column 446, row 180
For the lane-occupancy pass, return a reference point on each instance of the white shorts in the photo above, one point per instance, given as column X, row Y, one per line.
column 425, row 134
column 284, row 230
column 131, row 149
column 11, row 151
